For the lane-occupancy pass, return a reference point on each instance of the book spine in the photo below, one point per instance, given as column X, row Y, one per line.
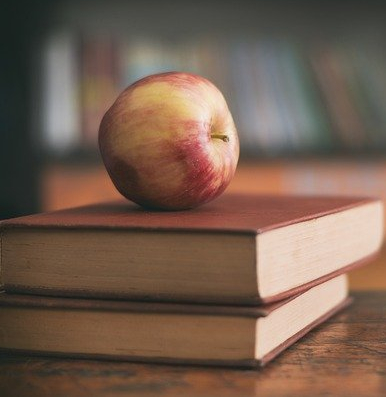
column 369, row 90
column 60, row 116
column 99, row 84
column 333, row 84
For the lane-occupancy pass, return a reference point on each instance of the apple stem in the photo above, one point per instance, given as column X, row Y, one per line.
column 223, row 137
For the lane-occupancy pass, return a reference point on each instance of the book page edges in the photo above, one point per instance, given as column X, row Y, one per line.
column 306, row 286
column 288, row 257
column 258, row 300
column 294, row 338
column 298, row 313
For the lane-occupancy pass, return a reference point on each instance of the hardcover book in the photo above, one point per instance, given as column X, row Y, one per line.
column 237, row 249
column 164, row 332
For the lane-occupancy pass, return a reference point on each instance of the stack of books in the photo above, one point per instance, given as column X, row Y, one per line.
column 233, row 282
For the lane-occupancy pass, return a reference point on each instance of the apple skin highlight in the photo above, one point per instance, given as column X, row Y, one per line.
column 169, row 142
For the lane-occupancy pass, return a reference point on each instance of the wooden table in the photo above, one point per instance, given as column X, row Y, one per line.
column 344, row 357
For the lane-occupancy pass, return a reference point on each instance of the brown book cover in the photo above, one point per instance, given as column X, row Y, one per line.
column 229, row 213
column 98, row 83
column 165, row 332
column 227, row 251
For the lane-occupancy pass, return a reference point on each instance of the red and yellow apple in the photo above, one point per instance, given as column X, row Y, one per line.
column 169, row 141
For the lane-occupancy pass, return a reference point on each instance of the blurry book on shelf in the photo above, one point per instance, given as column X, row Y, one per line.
column 142, row 57
column 368, row 87
column 99, row 83
column 287, row 96
column 333, row 82
column 61, row 111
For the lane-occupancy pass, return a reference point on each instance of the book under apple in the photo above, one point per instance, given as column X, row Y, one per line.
column 239, row 249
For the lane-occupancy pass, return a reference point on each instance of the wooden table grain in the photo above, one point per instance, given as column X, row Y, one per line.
column 344, row 357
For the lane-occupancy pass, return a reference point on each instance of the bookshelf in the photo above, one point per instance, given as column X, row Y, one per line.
column 300, row 78
column 305, row 81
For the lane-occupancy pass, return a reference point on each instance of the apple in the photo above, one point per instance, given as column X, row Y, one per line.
column 169, row 141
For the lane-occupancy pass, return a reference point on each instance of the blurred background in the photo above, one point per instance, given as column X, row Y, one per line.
column 305, row 81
